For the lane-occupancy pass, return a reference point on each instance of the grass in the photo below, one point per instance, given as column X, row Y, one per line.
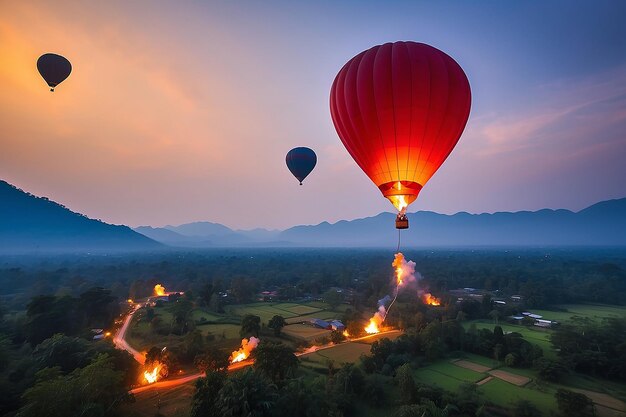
column 198, row 314
column 305, row 332
column 534, row 335
column 456, row 372
column 481, row 360
column 344, row 353
column 228, row 331
column 591, row 311
column 430, row 377
column 505, row 394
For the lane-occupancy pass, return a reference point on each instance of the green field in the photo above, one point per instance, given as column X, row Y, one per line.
column 305, row 332
column 344, row 353
column 534, row 335
column 591, row 311
column 446, row 375
column 502, row 393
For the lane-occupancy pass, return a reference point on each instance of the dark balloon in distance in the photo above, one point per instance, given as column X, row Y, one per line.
column 301, row 162
column 54, row 69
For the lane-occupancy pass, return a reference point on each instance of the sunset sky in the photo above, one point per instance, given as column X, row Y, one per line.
column 184, row 111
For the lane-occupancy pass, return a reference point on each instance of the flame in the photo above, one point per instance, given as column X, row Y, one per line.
column 431, row 300
column 247, row 346
column 346, row 334
column 405, row 271
column 159, row 290
column 372, row 327
column 399, row 202
column 130, row 301
column 152, row 376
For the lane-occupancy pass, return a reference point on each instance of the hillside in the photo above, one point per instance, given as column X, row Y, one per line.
column 29, row 223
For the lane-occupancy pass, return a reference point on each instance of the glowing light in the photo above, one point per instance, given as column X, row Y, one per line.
column 159, row 290
column 130, row 301
column 429, row 299
column 399, row 202
column 346, row 334
column 372, row 327
column 107, row 334
column 152, row 376
column 247, row 346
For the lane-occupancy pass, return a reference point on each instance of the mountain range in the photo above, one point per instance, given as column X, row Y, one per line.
column 37, row 224
column 602, row 224
column 29, row 223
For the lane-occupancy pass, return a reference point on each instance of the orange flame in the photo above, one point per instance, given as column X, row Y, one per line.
column 397, row 263
column 372, row 327
column 346, row 334
column 152, row 376
column 247, row 346
column 431, row 300
column 159, row 290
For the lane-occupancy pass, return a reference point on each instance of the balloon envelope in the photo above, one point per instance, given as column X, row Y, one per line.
column 54, row 69
column 399, row 109
column 301, row 162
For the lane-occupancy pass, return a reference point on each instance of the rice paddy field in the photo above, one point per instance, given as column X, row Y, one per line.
column 344, row 353
column 305, row 332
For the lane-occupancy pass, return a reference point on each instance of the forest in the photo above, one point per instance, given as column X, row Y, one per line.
column 49, row 305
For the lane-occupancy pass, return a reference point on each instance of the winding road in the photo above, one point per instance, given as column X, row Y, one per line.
column 121, row 343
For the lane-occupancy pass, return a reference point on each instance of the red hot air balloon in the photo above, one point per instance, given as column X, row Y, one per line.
column 399, row 109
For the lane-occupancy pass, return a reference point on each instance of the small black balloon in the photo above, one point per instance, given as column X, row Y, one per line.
column 301, row 162
column 54, row 69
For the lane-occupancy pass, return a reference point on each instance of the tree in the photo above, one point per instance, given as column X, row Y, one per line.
column 242, row 289
column 205, row 401
column 510, row 359
column 337, row 337
column 550, row 370
column 573, row 404
column 212, row 360
column 247, row 393
column 299, row 399
column 275, row 360
column 406, row 383
column 495, row 316
column 333, row 298
column 277, row 323
column 66, row 352
column 194, row 343
column 95, row 390
column 524, row 408
column 181, row 311
column 250, row 325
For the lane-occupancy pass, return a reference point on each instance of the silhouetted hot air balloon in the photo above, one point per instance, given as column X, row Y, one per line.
column 301, row 162
column 399, row 109
column 54, row 69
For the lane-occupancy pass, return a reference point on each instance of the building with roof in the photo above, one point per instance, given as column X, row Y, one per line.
column 320, row 323
column 337, row 325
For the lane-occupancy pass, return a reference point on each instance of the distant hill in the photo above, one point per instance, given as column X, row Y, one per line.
column 29, row 223
column 603, row 224
column 207, row 234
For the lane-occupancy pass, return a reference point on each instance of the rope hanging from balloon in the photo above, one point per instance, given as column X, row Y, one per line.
column 395, row 293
